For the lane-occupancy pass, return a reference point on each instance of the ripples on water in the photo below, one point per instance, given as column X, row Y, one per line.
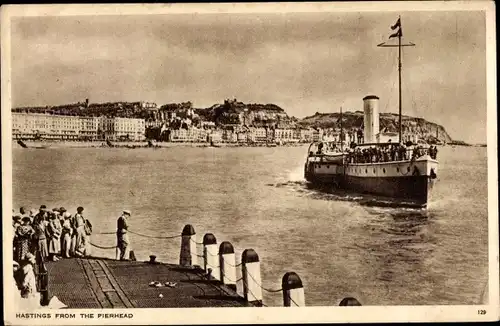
column 341, row 244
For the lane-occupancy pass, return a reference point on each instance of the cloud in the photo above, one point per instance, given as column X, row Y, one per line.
column 304, row 62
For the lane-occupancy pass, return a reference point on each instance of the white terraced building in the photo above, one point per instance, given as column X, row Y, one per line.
column 31, row 126
column 125, row 129
column 52, row 127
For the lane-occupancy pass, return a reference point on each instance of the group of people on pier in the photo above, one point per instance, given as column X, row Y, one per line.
column 49, row 234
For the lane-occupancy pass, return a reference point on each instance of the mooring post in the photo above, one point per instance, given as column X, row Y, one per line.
column 44, row 284
column 293, row 291
column 37, row 268
column 250, row 268
column 211, row 256
column 131, row 256
column 349, row 301
column 227, row 264
column 188, row 247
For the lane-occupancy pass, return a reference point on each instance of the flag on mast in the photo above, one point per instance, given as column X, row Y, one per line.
column 398, row 24
column 399, row 33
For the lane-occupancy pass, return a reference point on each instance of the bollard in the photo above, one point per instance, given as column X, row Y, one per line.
column 37, row 268
column 250, row 267
column 210, row 255
column 293, row 291
column 227, row 264
column 44, row 284
column 188, row 247
column 349, row 301
column 131, row 256
column 152, row 259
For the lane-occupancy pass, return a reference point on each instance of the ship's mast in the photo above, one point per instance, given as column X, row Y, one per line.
column 400, row 96
column 341, row 131
column 399, row 35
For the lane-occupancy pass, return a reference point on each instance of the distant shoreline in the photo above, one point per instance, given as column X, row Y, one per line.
column 144, row 144
column 140, row 144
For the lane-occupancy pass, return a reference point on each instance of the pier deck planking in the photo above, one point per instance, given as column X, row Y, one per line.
column 103, row 283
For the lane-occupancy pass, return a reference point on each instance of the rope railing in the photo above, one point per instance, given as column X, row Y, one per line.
column 245, row 275
column 246, row 282
column 231, row 280
column 212, row 255
column 198, row 243
column 290, row 297
column 263, row 288
column 102, row 247
column 155, row 237
column 250, row 291
column 132, row 232
column 142, row 235
column 237, row 265
column 224, row 275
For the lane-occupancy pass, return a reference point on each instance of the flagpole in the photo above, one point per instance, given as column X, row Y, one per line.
column 400, row 97
column 399, row 35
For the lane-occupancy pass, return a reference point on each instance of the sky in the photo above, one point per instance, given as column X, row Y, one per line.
column 302, row 62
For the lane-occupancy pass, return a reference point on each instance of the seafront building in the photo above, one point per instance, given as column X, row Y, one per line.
column 89, row 128
column 40, row 126
column 124, row 129
column 31, row 126
column 52, row 127
column 188, row 135
column 180, row 122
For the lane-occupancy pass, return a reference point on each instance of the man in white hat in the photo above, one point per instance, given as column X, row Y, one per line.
column 122, row 233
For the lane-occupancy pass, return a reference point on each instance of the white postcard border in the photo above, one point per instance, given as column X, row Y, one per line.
column 268, row 314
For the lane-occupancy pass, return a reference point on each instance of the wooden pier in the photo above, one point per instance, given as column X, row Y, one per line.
column 207, row 279
column 104, row 283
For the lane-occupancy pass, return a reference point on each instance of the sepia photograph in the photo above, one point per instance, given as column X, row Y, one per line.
column 312, row 162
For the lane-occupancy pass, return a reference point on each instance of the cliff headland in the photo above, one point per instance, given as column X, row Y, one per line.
column 389, row 122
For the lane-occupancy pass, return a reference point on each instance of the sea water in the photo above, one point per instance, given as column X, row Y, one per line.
column 257, row 198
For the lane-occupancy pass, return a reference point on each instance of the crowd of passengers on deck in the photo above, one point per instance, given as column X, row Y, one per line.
column 387, row 153
column 49, row 234
column 390, row 153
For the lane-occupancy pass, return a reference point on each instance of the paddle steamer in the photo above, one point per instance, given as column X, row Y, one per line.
column 388, row 169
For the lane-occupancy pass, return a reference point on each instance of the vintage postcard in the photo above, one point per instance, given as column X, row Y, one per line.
column 249, row 163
